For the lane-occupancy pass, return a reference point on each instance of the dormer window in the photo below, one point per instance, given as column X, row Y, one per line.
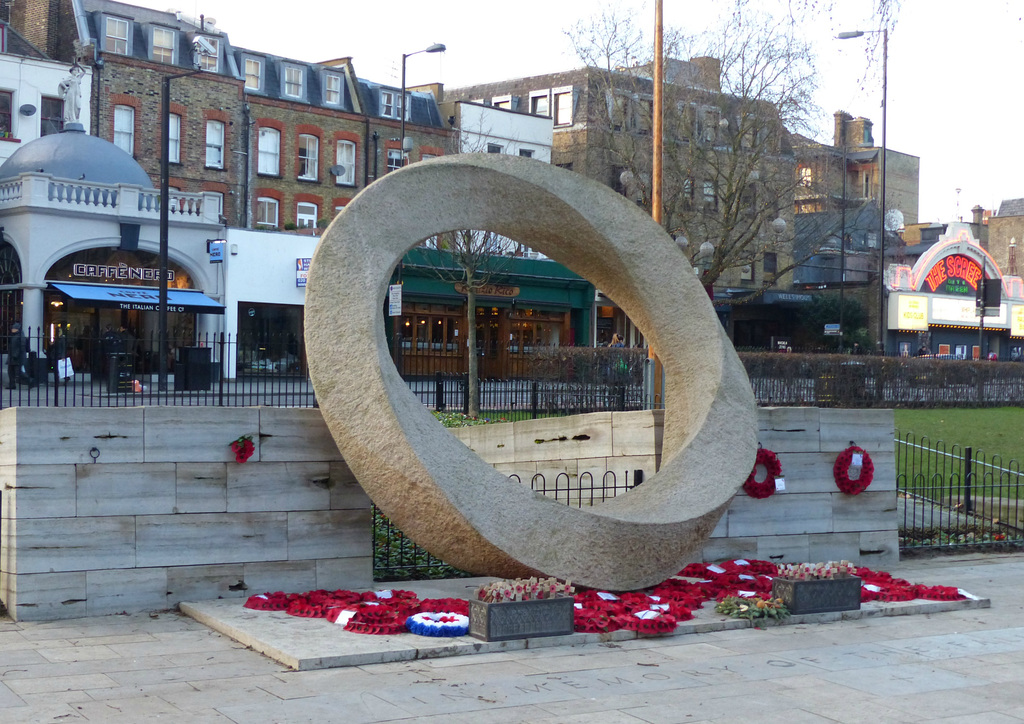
column 388, row 104
column 163, row 45
column 209, row 53
column 332, row 89
column 253, row 74
column 116, row 36
column 293, row 82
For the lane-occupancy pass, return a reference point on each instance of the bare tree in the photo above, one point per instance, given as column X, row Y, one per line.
column 729, row 172
column 470, row 260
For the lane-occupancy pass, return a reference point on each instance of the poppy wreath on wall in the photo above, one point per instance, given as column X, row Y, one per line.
column 766, row 487
column 841, row 471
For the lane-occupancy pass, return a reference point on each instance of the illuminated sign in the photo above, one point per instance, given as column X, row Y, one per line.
column 1017, row 321
column 912, row 313
column 955, row 274
column 962, row 311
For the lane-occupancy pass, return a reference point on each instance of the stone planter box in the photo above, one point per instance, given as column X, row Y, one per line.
column 818, row 596
column 521, row 619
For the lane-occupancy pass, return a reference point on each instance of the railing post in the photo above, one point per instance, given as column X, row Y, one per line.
column 438, row 392
column 465, row 394
column 534, row 401
column 968, row 473
column 220, row 365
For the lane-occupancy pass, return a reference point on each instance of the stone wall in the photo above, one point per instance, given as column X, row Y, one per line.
column 809, row 521
column 108, row 510
column 130, row 509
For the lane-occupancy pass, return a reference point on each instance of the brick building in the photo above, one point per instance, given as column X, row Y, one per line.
column 264, row 134
column 728, row 176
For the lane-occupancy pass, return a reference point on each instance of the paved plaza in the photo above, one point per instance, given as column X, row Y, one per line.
column 960, row 666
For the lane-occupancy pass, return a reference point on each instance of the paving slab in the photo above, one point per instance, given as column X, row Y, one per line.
column 305, row 644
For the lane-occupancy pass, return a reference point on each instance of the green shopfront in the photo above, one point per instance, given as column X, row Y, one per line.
column 526, row 305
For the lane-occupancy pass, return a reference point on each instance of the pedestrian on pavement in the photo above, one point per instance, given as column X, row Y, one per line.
column 17, row 356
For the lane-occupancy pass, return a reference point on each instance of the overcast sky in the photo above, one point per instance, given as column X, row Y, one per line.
column 954, row 68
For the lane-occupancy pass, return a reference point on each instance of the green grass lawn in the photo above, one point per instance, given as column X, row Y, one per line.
column 997, row 430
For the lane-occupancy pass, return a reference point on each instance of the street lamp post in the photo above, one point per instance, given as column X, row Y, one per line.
column 165, row 149
column 435, row 48
column 881, row 211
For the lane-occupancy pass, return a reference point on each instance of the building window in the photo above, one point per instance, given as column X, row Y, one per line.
column 163, row 45
column 309, row 153
column 116, row 40
column 346, row 158
column 174, row 139
column 266, row 211
column 253, row 74
column 394, row 159
column 51, row 116
column 124, row 128
column 332, row 89
column 388, row 102
column 770, row 263
column 806, row 176
column 563, row 109
column 305, row 215
column 215, row 144
column 867, row 184
column 209, row 57
column 710, row 197
column 293, row 82
column 540, row 105
column 526, row 152
column 493, row 148
column 269, row 152
column 502, row 102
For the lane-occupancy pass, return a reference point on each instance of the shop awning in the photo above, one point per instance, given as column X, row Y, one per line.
column 144, row 299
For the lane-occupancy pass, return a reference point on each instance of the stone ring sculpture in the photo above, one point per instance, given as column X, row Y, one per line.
column 441, row 494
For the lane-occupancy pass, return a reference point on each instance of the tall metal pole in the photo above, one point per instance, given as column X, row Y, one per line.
column 401, row 133
column 881, row 211
column 842, row 239
column 165, row 148
column 658, row 119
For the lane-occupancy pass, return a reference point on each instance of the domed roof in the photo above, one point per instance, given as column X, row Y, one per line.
column 73, row 154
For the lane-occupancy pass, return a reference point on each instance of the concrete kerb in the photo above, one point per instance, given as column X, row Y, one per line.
column 306, row 644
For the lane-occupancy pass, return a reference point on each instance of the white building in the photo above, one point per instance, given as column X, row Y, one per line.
column 31, row 105
column 79, row 243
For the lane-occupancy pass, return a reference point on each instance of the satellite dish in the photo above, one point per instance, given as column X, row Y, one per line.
column 27, row 110
column 338, row 170
column 893, row 220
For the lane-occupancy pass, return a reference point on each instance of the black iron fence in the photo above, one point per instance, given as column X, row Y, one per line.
column 825, row 380
column 397, row 558
column 117, row 369
column 953, row 496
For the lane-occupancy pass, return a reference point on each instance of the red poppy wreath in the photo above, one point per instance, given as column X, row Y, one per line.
column 772, row 467
column 841, row 471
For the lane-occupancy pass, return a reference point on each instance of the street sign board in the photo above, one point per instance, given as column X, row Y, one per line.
column 395, row 300
column 831, row 329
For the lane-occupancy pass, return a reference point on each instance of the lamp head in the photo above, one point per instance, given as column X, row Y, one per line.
column 437, row 48
column 850, row 34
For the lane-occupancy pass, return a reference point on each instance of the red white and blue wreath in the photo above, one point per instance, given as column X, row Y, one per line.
column 773, row 468
column 438, row 624
column 841, row 471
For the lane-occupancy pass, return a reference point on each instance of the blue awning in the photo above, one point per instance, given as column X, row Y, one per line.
column 143, row 299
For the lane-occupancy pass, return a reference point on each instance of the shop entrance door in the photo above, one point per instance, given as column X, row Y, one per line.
column 491, row 342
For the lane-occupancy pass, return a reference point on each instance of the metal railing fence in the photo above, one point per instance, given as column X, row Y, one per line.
column 954, row 496
column 397, row 558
